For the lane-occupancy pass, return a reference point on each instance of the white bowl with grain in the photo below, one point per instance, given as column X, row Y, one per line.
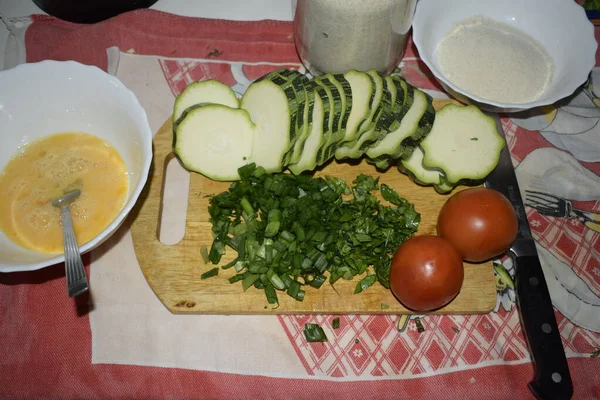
column 48, row 97
column 559, row 27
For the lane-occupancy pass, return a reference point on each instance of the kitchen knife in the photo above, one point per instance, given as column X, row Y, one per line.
column 552, row 379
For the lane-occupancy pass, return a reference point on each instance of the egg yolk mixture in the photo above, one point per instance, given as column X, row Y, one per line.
column 44, row 170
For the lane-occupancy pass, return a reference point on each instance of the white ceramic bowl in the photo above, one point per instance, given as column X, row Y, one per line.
column 48, row 97
column 561, row 26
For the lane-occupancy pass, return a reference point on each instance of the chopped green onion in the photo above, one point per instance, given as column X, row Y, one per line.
column 306, row 263
column 420, row 327
column 318, row 281
column 274, row 214
column 237, row 278
column 271, row 295
column 240, row 229
column 364, row 283
column 361, row 237
column 272, row 228
column 249, row 281
column 288, row 236
column 257, row 268
column 321, row 263
column 294, row 230
column 314, row 333
column 204, row 254
column 335, row 324
column 293, row 289
column 276, row 281
column 217, row 249
column 230, row 264
column 239, row 265
column 246, row 206
column 210, row 273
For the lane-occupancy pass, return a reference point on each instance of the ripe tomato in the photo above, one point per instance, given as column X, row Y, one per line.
column 479, row 222
column 426, row 273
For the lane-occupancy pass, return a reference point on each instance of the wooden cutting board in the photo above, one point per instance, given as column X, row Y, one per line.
column 173, row 272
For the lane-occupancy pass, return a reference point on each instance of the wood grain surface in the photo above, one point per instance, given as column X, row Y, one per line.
column 173, row 272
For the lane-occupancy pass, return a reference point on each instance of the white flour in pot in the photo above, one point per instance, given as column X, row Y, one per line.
column 495, row 61
column 339, row 35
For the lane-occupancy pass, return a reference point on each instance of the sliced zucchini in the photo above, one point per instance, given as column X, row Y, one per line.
column 464, row 144
column 272, row 106
column 375, row 106
column 413, row 167
column 198, row 93
column 296, row 80
column 341, row 111
column 396, row 143
column 315, row 139
column 363, row 92
column 305, row 117
column 330, row 120
column 368, row 132
column 409, row 97
column 215, row 140
column 345, row 92
column 400, row 103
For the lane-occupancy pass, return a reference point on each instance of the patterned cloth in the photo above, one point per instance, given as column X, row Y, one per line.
column 486, row 354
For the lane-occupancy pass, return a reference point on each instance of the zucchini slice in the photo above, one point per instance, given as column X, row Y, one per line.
column 375, row 106
column 198, row 93
column 363, row 92
column 407, row 102
column 340, row 111
column 298, row 81
column 302, row 85
column 331, row 117
column 413, row 167
column 464, row 144
column 272, row 106
column 367, row 132
column 215, row 140
column 315, row 139
column 395, row 143
column 400, row 103
column 345, row 91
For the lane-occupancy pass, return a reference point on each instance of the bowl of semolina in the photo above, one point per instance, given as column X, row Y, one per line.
column 506, row 56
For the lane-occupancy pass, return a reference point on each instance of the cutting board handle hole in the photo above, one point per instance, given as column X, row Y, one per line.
column 174, row 202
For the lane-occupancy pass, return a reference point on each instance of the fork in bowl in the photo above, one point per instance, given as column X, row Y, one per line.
column 77, row 282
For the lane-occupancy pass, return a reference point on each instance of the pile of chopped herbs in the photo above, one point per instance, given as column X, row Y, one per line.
column 292, row 231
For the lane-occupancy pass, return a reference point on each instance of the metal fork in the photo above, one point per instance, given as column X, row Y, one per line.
column 553, row 206
column 77, row 282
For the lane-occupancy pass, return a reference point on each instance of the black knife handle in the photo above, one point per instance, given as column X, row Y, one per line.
column 552, row 379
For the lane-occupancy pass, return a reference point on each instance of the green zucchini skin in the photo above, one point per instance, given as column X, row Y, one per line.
column 301, row 124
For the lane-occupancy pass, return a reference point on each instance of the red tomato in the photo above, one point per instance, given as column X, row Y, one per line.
column 426, row 273
column 479, row 222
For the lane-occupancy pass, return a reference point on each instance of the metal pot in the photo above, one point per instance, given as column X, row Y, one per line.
column 90, row 11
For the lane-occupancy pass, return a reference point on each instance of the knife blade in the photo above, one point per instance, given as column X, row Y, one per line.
column 552, row 379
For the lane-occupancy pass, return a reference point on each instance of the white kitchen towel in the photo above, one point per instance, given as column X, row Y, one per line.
column 14, row 48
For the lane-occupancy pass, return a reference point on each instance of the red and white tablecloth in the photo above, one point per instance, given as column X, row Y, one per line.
column 120, row 342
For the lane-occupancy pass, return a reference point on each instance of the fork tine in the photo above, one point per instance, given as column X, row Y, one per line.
column 546, row 210
column 544, row 203
column 542, row 194
column 540, row 199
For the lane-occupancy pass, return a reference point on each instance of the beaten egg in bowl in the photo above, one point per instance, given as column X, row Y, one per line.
column 84, row 116
column 44, row 170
